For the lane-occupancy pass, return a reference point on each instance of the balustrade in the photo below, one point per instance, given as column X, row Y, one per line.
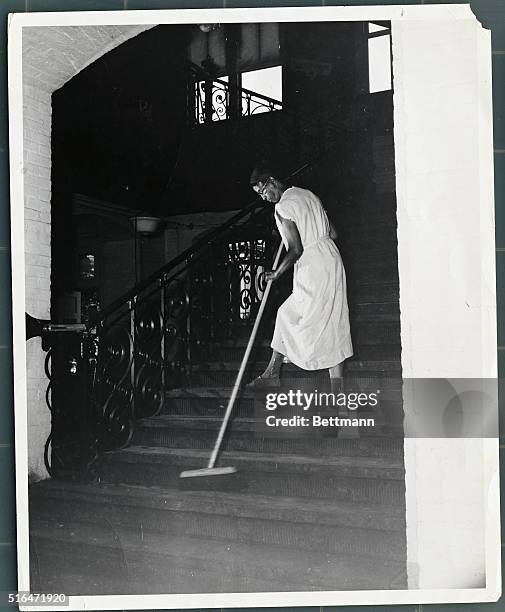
column 149, row 342
column 117, row 368
column 211, row 102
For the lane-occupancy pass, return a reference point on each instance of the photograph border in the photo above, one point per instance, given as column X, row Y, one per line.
column 397, row 14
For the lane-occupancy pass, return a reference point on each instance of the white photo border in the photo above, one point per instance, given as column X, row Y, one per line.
column 397, row 15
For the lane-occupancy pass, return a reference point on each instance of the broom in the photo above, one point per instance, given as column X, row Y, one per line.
column 210, row 470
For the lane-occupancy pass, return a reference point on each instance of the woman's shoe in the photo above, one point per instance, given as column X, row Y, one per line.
column 264, row 382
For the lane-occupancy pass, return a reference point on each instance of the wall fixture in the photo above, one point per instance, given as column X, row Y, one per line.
column 146, row 225
column 208, row 27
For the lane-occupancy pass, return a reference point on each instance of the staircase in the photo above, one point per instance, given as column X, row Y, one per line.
column 306, row 511
column 302, row 513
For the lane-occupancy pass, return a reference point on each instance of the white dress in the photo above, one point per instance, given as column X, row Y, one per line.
column 312, row 325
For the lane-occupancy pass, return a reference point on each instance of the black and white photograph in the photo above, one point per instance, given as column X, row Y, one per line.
column 254, row 307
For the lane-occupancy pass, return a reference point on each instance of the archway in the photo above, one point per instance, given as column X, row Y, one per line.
column 51, row 57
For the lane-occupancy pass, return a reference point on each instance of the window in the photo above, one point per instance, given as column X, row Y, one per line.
column 87, row 267
column 379, row 57
column 260, row 92
column 266, row 82
column 219, row 99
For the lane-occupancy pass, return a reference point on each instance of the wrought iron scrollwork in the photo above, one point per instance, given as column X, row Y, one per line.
column 112, row 392
column 150, row 343
column 71, row 450
column 211, row 99
column 150, row 340
column 148, row 356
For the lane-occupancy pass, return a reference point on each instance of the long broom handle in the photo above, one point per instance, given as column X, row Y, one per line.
column 243, row 365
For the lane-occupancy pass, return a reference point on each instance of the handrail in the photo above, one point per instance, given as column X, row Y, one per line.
column 248, row 91
column 205, row 76
column 182, row 257
column 199, row 244
column 156, row 335
column 173, row 263
column 150, row 339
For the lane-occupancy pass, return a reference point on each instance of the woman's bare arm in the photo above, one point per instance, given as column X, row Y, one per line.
column 294, row 251
column 333, row 231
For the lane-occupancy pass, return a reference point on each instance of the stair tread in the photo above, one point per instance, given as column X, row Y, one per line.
column 355, row 466
column 388, row 317
column 262, row 343
column 299, row 510
column 282, row 565
column 354, row 363
column 223, row 393
column 350, row 363
column 244, row 423
column 196, row 423
column 240, row 423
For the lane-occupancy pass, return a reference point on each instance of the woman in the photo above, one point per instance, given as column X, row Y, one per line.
column 312, row 325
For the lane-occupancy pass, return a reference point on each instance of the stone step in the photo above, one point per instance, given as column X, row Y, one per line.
column 250, row 434
column 372, row 285
column 368, row 327
column 383, row 215
column 388, row 262
column 382, row 222
column 375, row 308
column 378, row 480
column 376, row 271
column 368, row 369
column 386, row 315
column 371, row 356
column 211, row 400
column 360, row 246
column 155, row 563
column 376, row 333
column 369, row 291
column 372, row 276
column 328, row 526
column 368, row 250
column 294, row 380
column 383, row 359
column 211, row 375
column 373, row 315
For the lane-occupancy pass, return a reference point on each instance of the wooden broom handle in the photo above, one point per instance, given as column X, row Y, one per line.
column 243, row 365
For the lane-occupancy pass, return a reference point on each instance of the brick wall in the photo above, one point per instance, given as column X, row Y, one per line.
column 51, row 56
column 37, row 184
column 37, row 189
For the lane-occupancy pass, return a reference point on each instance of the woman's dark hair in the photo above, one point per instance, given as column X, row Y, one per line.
column 263, row 170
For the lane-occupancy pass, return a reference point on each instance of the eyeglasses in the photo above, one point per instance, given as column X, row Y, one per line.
column 261, row 191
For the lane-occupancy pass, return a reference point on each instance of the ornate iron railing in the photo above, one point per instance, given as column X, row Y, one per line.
column 116, row 371
column 148, row 341
column 211, row 101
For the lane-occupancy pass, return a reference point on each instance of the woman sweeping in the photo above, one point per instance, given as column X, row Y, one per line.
column 312, row 325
